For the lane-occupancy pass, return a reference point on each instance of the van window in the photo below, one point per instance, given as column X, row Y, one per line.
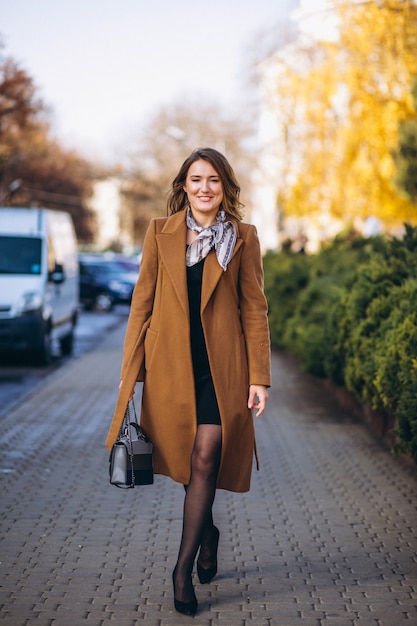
column 20, row 255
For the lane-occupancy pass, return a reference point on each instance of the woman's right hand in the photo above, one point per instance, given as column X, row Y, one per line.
column 132, row 393
column 258, row 395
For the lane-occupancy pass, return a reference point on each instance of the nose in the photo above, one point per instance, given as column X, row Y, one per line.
column 204, row 184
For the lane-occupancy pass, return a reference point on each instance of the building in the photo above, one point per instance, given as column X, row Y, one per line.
column 107, row 204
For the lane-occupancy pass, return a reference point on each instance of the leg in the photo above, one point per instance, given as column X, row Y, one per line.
column 208, row 528
column 207, row 558
column 199, row 497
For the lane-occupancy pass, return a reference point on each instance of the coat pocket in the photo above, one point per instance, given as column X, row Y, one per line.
column 149, row 345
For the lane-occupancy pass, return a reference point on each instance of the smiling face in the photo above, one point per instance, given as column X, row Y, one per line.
column 204, row 189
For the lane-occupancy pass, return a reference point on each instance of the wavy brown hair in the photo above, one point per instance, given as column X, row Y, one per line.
column 177, row 198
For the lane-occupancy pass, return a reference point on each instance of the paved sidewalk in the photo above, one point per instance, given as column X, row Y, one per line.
column 327, row 535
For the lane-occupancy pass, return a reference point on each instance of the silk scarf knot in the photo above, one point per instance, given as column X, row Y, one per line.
column 221, row 236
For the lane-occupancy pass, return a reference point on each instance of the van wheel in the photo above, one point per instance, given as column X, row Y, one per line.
column 103, row 302
column 67, row 344
column 43, row 356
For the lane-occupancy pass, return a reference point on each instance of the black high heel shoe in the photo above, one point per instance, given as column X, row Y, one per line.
column 206, row 574
column 186, row 608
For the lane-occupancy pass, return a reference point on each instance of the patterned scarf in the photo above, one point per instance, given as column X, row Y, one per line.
column 220, row 236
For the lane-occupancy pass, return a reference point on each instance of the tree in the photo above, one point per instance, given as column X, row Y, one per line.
column 350, row 96
column 55, row 178
column 164, row 144
column 19, row 114
column 34, row 169
column 406, row 155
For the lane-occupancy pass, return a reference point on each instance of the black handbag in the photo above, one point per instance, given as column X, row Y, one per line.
column 131, row 457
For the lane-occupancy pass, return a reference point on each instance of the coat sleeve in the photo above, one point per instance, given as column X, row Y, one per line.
column 254, row 311
column 142, row 305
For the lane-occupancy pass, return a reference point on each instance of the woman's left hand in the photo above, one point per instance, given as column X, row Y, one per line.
column 258, row 395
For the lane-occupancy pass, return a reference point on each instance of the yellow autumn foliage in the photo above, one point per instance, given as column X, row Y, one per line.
column 350, row 97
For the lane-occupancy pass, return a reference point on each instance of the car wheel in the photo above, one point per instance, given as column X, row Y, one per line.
column 43, row 356
column 103, row 302
column 67, row 344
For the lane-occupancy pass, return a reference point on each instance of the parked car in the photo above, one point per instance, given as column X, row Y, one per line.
column 127, row 263
column 105, row 282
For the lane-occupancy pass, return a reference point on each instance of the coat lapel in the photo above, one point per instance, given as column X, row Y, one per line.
column 172, row 245
column 212, row 273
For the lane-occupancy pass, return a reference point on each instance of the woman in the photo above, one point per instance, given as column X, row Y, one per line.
column 198, row 337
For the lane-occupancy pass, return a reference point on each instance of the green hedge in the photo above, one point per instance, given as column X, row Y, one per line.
column 349, row 314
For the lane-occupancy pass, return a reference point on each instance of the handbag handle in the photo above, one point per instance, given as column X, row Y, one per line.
column 128, row 430
column 135, row 424
column 126, row 419
column 134, row 411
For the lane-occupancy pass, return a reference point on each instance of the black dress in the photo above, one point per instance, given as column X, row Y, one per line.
column 207, row 407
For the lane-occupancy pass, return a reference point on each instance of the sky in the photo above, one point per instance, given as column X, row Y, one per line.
column 105, row 67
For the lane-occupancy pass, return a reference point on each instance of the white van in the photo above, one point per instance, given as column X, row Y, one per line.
column 38, row 281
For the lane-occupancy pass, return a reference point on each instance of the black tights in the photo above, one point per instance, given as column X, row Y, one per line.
column 198, row 502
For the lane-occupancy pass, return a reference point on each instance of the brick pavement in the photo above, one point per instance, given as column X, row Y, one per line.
column 326, row 536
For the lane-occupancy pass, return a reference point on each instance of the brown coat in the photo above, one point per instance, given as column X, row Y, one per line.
column 157, row 350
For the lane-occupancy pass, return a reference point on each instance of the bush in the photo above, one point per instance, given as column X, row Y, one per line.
column 349, row 314
column 306, row 332
column 286, row 275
